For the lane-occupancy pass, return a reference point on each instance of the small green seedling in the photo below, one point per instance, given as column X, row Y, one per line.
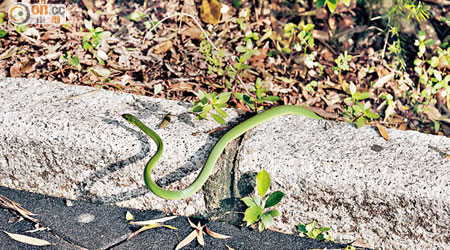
column 332, row 4
column 2, row 31
column 358, row 113
column 255, row 211
column 342, row 65
column 209, row 102
column 311, row 231
column 73, row 61
column 93, row 39
column 261, row 96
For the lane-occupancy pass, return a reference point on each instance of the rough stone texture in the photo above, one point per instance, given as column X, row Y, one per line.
column 396, row 198
column 394, row 195
column 81, row 149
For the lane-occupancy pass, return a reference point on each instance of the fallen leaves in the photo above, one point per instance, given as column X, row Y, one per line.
column 382, row 131
column 198, row 233
column 163, row 47
column 149, row 224
column 210, row 11
column 10, row 204
column 28, row 240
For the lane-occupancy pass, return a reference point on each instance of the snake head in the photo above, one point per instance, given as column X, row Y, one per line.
column 130, row 118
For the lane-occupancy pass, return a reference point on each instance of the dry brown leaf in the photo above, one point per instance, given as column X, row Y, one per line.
column 15, row 71
column 216, row 235
column 323, row 113
column 89, row 5
column 382, row 131
column 10, row 204
column 200, row 239
column 189, row 7
column 28, row 240
column 210, row 11
column 163, row 47
column 166, row 121
column 151, row 222
column 229, row 248
column 193, row 32
column 360, row 243
column 434, row 113
column 383, row 80
column 26, row 67
column 187, row 240
column 8, row 53
column 144, row 228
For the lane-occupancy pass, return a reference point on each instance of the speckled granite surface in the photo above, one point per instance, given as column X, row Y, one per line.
column 80, row 148
column 395, row 195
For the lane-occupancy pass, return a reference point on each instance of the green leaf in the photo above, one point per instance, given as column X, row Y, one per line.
column 267, row 219
column 358, row 109
column 361, row 96
column 332, row 4
column 302, row 228
column 207, row 108
column 320, row 3
column 88, row 24
column 250, row 202
column 274, row 199
column 275, row 213
column 372, row 115
column 197, row 109
column 221, row 112
column 104, row 34
column 158, row 88
column 223, row 97
column 352, row 89
column 102, row 72
column 262, row 182
column 422, row 35
column 360, row 122
column 3, row 33
column 218, row 119
column 247, row 99
column 74, row 61
column 252, row 214
column 240, row 49
column 239, row 96
column 270, row 98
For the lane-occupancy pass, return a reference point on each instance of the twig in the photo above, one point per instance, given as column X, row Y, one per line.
column 203, row 32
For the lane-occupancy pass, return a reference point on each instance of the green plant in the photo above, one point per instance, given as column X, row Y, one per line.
column 433, row 75
column 397, row 13
column 21, row 28
column 93, row 39
column 255, row 211
column 2, row 31
column 209, row 102
column 215, row 61
column 260, row 94
column 357, row 112
column 73, row 61
column 302, row 37
column 332, row 4
column 248, row 51
column 311, row 231
column 342, row 65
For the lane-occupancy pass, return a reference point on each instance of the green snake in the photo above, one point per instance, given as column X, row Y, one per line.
column 235, row 132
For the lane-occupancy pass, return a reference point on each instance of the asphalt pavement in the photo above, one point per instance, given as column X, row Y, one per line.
column 85, row 225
